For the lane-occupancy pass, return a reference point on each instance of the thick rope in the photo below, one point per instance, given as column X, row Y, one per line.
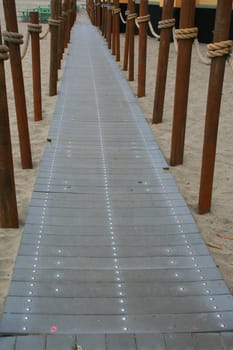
column 202, row 58
column 45, row 34
column 54, row 22
column 34, row 28
column 26, row 44
column 155, row 35
column 186, row 33
column 166, row 23
column 4, row 52
column 115, row 11
column 13, row 38
column 131, row 16
column 222, row 48
column 122, row 19
column 143, row 19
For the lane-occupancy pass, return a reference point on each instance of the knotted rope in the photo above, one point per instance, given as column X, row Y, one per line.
column 142, row 19
column 186, row 33
column 155, row 35
column 13, row 38
column 115, row 11
column 166, row 23
column 122, row 19
column 45, row 34
column 4, row 52
column 131, row 16
column 54, row 22
column 219, row 49
column 34, row 28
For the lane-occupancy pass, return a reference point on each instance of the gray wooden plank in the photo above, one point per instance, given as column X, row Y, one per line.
column 7, row 343
column 35, row 342
column 179, row 341
column 141, row 275
column 208, row 341
column 120, row 342
column 113, row 306
column 150, row 342
column 60, row 342
column 91, row 341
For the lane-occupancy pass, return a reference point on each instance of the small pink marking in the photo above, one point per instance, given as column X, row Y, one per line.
column 53, row 329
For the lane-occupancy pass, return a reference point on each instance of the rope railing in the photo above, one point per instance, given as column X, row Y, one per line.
column 122, row 19
column 4, row 53
column 155, row 35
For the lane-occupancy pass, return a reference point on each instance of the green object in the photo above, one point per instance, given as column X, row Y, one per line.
column 44, row 14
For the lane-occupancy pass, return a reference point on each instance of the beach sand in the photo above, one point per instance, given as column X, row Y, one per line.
column 187, row 176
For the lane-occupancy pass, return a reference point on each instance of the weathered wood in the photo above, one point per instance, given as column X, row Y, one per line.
column 117, row 30
column 113, row 32
column 131, row 41
column 36, row 68
column 98, row 13
column 161, row 77
column 126, row 47
column 109, row 31
column 54, row 30
column 8, row 204
column 141, row 89
column 18, row 86
column 60, row 44
column 103, row 24
column 187, row 15
column 221, row 33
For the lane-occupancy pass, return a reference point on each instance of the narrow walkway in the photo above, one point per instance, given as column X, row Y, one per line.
column 110, row 256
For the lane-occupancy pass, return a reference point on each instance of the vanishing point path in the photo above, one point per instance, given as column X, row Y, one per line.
column 110, row 258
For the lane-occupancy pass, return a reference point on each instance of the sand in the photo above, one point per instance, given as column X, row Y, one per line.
column 187, row 176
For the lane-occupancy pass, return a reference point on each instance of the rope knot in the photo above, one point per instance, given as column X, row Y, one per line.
column 13, row 38
column 142, row 19
column 186, row 33
column 116, row 11
column 166, row 23
column 4, row 52
column 34, row 28
column 131, row 16
column 54, row 22
column 222, row 48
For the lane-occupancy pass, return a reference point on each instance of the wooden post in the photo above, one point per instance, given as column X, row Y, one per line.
column 113, row 31
column 221, row 33
column 8, row 204
column 161, row 78
column 103, row 18
column 18, row 85
column 68, row 23
column 106, row 20
column 126, row 48
column 117, row 30
column 36, row 67
column 98, row 13
column 187, row 15
column 54, row 29
column 131, row 39
column 60, row 28
column 141, row 90
column 109, row 34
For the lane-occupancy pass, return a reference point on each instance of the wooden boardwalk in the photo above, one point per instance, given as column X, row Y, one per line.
column 111, row 257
